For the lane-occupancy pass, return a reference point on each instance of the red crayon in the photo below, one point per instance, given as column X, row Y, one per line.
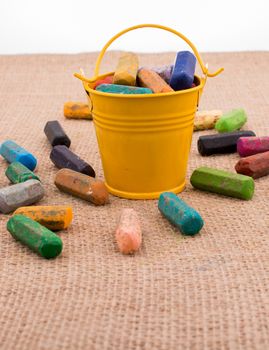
column 106, row 80
column 255, row 166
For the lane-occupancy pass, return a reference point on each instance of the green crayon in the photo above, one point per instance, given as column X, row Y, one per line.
column 231, row 121
column 35, row 236
column 223, row 182
column 123, row 89
column 17, row 172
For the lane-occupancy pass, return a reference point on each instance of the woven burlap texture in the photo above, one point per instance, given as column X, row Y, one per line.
column 203, row 292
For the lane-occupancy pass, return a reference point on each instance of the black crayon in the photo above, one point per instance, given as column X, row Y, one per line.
column 56, row 134
column 221, row 143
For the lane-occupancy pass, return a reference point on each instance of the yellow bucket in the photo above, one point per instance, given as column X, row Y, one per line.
column 144, row 140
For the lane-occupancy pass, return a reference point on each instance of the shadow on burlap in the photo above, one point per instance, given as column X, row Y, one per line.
column 205, row 292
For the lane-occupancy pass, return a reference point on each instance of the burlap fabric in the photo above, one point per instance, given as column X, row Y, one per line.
column 206, row 292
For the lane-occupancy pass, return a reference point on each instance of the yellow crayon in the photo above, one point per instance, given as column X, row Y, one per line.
column 54, row 217
column 205, row 120
column 77, row 110
column 126, row 70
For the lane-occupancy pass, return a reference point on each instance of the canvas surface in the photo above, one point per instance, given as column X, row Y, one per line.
column 206, row 292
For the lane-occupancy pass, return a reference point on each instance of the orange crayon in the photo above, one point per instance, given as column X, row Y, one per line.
column 150, row 79
column 82, row 186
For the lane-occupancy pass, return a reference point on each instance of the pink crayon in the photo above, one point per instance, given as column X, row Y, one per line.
column 128, row 232
column 247, row 146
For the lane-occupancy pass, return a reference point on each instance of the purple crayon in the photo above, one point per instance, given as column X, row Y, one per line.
column 247, row 146
column 164, row 72
column 183, row 71
column 62, row 157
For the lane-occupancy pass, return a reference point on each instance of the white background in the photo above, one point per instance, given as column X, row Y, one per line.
column 68, row 26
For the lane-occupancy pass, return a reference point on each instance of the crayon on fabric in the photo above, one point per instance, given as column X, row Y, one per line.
column 223, row 182
column 82, row 186
column 220, row 143
column 17, row 172
column 205, row 120
column 56, row 134
column 54, row 217
column 149, row 79
column 126, row 71
column 12, row 152
column 231, row 121
column 21, row 194
column 247, row 146
column 77, row 110
column 165, row 72
column 128, row 232
column 183, row 72
column 123, row 89
column 106, row 80
column 180, row 214
column 255, row 166
column 35, row 236
column 62, row 157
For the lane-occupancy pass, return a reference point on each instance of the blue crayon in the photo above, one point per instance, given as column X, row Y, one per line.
column 183, row 71
column 187, row 219
column 123, row 89
column 15, row 153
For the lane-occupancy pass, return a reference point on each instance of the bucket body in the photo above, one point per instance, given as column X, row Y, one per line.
column 144, row 140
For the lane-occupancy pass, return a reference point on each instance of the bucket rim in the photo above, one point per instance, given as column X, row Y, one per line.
column 137, row 96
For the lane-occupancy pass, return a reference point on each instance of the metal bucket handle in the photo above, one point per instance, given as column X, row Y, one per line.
column 103, row 51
